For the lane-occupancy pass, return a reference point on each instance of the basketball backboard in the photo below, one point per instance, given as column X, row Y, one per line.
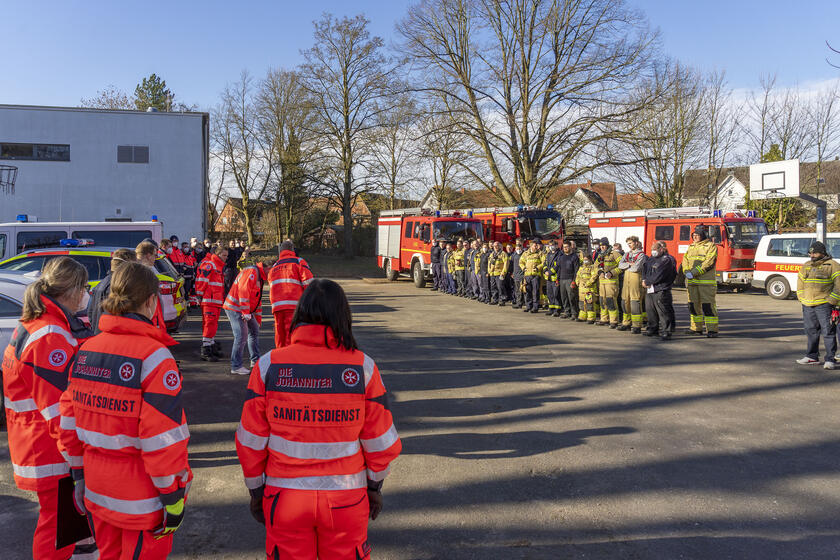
column 778, row 179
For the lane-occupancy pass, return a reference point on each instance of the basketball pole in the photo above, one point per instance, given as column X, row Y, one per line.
column 822, row 208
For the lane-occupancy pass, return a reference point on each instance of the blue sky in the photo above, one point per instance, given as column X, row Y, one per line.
column 56, row 52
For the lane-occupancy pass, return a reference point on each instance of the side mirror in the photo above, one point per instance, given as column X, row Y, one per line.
column 511, row 225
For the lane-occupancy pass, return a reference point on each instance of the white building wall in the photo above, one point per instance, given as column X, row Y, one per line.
column 92, row 186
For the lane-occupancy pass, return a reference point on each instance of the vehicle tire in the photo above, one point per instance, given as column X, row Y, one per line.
column 778, row 288
column 417, row 274
column 390, row 273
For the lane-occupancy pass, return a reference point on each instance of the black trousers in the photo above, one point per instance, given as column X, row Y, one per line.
column 460, row 277
column 568, row 297
column 501, row 289
column 484, row 284
column 660, row 311
column 532, row 293
column 437, row 275
column 516, row 292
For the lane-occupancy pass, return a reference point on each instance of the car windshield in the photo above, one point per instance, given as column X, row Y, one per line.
column 746, row 234
column 548, row 227
column 24, row 264
column 455, row 229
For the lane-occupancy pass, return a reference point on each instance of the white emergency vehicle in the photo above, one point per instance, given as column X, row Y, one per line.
column 779, row 257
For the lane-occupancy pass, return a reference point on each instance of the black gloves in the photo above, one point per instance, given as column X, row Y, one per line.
column 256, row 506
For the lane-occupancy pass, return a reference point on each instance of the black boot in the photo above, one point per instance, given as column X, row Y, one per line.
column 207, row 354
column 217, row 349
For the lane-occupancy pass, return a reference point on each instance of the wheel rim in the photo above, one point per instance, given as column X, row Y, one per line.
column 776, row 288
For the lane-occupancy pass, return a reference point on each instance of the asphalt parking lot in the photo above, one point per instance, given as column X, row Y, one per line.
column 530, row 437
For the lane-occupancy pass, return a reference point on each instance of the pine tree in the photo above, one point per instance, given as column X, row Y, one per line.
column 152, row 92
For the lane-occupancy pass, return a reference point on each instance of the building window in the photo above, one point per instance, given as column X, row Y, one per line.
column 132, row 154
column 36, row 152
column 664, row 233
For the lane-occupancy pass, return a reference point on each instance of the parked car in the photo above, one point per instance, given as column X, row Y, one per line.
column 97, row 261
column 779, row 257
column 11, row 304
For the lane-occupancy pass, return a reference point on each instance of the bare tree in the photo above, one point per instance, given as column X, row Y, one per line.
column 441, row 148
column 393, row 153
column 245, row 152
column 536, row 85
column 722, row 117
column 760, row 111
column 824, row 120
column 109, row 98
column 345, row 74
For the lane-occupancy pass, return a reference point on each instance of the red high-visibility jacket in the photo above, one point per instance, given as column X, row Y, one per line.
column 210, row 282
column 122, row 413
column 316, row 417
column 245, row 295
column 189, row 262
column 35, row 368
column 287, row 280
column 177, row 258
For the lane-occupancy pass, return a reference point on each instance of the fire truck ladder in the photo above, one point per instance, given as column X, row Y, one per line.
column 684, row 213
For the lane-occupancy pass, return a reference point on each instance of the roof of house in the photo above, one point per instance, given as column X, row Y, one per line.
column 606, row 192
column 696, row 183
column 633, row 201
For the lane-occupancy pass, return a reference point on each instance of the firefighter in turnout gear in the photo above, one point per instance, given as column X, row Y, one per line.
column 818, row 290
column 460, row 270
column 316, row 436
column 632, row 294
column 587, row 283
column 698, row 267
column 36, row 364
column 550, row 277
column 608, row 272
column 532, row 263
column 122, row 416
column 499, row 264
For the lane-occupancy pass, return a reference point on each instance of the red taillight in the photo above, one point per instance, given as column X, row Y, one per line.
column 168, row 288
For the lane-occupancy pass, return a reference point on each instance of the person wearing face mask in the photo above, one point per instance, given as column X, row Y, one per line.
column 36, row 365
column 177, row 256
column 189, row 274
column 818, row 290
column 698, row 267
column 128, row 427
column 517, row 275
column 658, row 274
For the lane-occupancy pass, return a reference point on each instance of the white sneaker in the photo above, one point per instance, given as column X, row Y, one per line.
column 828, row 365
column 806, row 361
column 241, row 371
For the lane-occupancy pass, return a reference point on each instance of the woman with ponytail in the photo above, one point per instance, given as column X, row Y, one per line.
column 36, row 365
column 122, row 415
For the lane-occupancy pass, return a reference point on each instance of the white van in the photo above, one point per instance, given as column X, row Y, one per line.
column 16, row 237
column 779, row 257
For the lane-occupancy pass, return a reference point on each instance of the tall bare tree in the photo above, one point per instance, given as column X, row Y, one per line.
column 393, row 153
column 536, row 85
column 344, row 73
column 824, row 117
column 244, row 152
column 441, row 148
column 109, row 98
column 722, row 118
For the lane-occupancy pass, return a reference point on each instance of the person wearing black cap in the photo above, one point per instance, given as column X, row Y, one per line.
column 818, row 290
column 698, row 267
column 608, row 274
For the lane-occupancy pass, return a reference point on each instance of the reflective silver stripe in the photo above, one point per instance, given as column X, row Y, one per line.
column 284, row 302
column 382, row 442
column 41, row 471
column 334, row 482
column 220, row 284
column 105, row 441
column 67, row 423
column 309, row 450
column 50, row 412
column 252, row 482
column 263, row 365
column 377, row 476
column 153, row 360
column 50, row 329
column 75, row 462
column 129, row 507
column 286, row 281
column 165, row 439
column 208, row 300
column 253, row 441
column 163, row 481
column 306, row 282
column 23, row 405
column 368, row 365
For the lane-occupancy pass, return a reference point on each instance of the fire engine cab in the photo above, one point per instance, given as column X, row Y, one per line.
column 404, row 239
column 736, row 235
column 506, row 224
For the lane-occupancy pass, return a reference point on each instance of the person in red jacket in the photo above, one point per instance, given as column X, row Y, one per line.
column 316, row 436
column 210, row 288
column 147, row 254
column 243, row 306
column 190, row 265
column 35, row 369
column 287, row 280
column 122, row 416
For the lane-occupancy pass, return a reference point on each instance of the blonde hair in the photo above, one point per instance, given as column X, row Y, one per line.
column 131, row 285
column 122, row 256
column 146, row 249
column 60, row 276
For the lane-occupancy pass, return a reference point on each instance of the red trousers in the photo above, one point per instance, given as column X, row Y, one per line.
column 43, row 541
column 116, row 543
column 282, row 324
column 310, row 524
column 209, row 320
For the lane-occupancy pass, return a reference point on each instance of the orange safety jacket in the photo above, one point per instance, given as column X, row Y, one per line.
column 35, row 368
column 245, row 295
column 210, row 281
column 287, row 280
column 122, row 414
column 316, row 417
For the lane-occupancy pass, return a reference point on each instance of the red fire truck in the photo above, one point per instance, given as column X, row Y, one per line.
column 404, row 239
column 506, row 224
column 736, row 234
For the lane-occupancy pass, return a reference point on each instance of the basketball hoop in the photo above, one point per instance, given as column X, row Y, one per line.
column 8, row 176
column 774, row 194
